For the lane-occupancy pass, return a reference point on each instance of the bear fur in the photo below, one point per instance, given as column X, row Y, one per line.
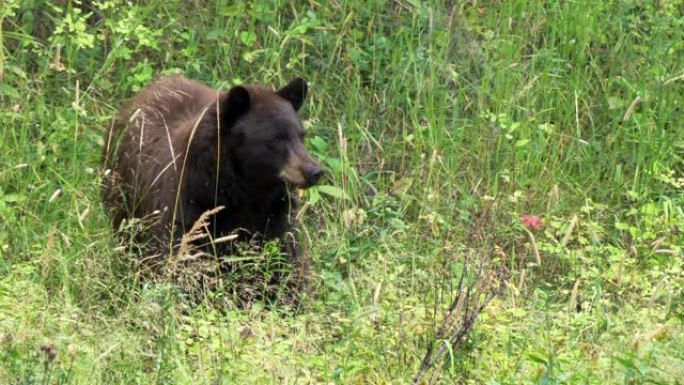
column 180, row 149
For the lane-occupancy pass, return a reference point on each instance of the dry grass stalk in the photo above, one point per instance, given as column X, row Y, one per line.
column 574, row 294
column 672, row 80
column 571, row 228
column 47, row 258
column 197, row 231
column 461, row 317
column 521, row 281
column 535, row 249
column 188, row 266
column 654, row 294
column 630, row 109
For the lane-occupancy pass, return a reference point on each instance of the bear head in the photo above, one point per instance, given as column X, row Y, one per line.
column 266, row 135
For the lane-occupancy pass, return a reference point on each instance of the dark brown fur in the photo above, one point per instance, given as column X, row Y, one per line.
column 181, row 148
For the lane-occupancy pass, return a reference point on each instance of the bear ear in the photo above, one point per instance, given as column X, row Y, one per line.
column 232, row 105
column 294, row 92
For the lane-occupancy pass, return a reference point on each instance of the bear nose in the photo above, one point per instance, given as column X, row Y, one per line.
column 315, row 175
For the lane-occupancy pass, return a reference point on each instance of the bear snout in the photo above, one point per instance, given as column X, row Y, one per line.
column 313, row 175
column 301, row 170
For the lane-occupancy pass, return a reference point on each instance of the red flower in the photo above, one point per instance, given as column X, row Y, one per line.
column 532, row 222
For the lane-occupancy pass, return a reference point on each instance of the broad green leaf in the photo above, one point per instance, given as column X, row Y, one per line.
column 314, row 196
column 627, row 363
column 14, row 198
column 536, row 358
column 319, row 143
column 8, row 90
column 248, row 38
column 333, row 191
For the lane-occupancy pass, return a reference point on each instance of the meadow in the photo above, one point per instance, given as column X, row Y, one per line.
column 450, row 130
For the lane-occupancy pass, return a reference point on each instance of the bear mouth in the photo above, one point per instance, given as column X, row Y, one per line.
column 300, row 170
column 294, row 177
column 301, row 178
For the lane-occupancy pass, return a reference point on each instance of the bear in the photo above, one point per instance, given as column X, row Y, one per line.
column 180, row 148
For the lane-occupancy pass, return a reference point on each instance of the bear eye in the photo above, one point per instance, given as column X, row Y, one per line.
column 281, row 138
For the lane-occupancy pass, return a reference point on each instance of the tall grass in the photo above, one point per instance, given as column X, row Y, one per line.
column 440, row 123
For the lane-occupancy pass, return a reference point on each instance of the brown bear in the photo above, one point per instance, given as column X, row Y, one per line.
column 181, row 148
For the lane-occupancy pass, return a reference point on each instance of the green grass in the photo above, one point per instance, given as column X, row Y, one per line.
column 442, row 122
